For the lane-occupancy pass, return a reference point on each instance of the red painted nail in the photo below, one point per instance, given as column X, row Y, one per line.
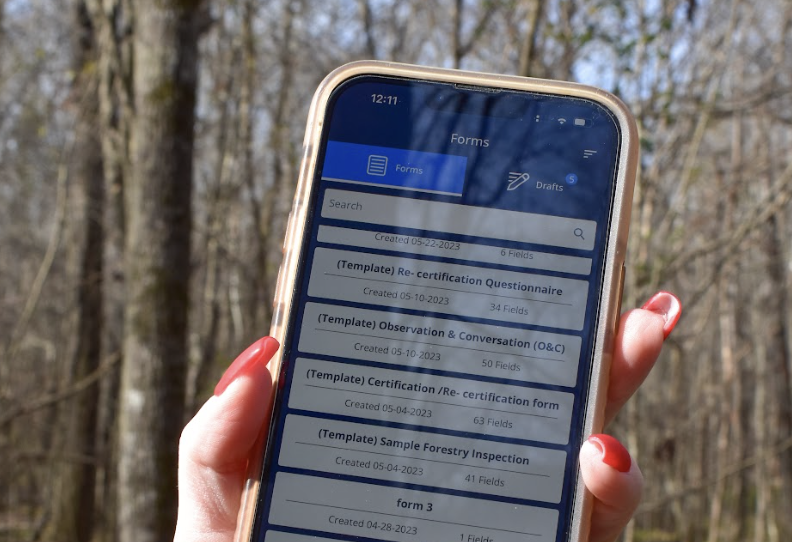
column 668, row 306
column 613, row 453
column 260, row 351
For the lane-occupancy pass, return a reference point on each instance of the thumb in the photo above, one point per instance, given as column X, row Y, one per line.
column 216, row 445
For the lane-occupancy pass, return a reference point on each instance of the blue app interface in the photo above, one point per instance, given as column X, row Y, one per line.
column 441, row 342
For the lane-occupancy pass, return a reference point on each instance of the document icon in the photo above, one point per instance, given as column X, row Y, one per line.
column 377, row 165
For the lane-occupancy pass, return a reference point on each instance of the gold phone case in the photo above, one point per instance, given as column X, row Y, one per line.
column 614, row 255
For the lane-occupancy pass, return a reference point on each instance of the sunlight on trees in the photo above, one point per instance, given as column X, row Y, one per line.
column 142, row 209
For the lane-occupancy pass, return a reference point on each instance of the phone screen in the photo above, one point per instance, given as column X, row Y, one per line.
column 440, row 345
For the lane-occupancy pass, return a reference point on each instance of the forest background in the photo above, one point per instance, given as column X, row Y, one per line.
column 148, row 155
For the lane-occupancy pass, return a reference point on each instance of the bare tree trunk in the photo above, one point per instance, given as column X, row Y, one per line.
column 73, row 498
column 459, row 46
column 567, row 11
column 158, row 205
column 279, row 196
column 218, row 216
column 368, row 28
column 776, row 311
column 2, row 21
column 456, row 34
column 258, row 306
column 528, row 49
column 761, row 481
column 780, row 364
column 736, row 418
column 112, row 20
column 726, row 429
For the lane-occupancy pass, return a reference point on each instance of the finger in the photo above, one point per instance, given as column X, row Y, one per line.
column 638, row 343
column 616, row 483
column 216, row 444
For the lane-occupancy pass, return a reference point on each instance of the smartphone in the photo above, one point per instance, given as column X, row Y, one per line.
column 446, row 308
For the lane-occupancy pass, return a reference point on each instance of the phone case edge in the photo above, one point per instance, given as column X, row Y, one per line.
column 614, row 255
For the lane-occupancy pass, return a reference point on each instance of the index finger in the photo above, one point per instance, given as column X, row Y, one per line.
column 638, row 344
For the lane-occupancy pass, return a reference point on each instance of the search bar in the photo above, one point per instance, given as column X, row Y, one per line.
column 459, row 219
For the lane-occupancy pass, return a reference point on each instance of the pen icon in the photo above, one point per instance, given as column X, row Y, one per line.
column 517, row 179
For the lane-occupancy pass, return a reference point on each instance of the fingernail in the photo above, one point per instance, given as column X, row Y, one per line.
column 260, row 351
column 613, row 453
column 668, row 306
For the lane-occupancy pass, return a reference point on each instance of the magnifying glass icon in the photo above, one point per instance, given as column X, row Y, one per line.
column 579, row 233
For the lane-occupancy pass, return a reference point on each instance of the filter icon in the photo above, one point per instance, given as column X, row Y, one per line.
column 377, row 165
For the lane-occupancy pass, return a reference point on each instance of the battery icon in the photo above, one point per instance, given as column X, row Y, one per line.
column 581, row 122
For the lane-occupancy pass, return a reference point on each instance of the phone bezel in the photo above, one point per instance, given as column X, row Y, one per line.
column 612, row 279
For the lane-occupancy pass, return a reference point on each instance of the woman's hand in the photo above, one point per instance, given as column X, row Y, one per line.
column 608, row 471
column 216, row 444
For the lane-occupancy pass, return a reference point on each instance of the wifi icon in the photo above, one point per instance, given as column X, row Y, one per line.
column 562, row 120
